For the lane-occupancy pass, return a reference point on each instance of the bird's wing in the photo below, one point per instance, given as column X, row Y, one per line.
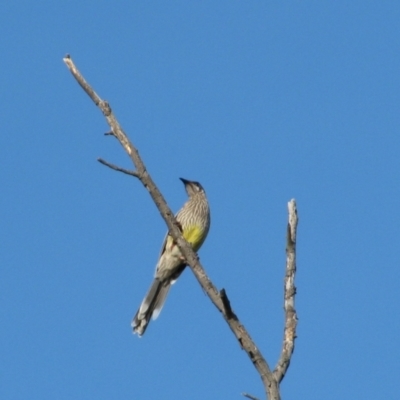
column 162, row 249
column 166, row 238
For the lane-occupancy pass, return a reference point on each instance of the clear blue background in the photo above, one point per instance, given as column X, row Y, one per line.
column 260, row 102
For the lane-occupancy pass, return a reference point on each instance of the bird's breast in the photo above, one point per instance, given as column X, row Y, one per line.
column 194, row 235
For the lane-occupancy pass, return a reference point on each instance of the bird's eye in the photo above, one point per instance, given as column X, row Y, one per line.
column 198, row 187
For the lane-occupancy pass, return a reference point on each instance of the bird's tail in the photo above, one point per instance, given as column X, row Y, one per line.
column 151, row 306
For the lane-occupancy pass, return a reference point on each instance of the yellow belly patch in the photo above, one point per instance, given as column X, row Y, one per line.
column 194, row 236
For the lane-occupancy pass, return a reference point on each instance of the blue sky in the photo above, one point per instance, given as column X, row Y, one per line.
column 260, row 102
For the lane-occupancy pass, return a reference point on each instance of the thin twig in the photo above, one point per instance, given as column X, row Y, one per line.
column 116, row 168
column 249, row 396
column 289, row 334
column 270, row 383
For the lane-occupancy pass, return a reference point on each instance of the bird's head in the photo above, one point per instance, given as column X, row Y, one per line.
column 192, row 187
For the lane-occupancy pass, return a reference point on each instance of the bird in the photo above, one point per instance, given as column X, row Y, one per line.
column 194, row 220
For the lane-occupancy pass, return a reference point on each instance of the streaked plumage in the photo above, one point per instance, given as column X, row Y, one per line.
column 194, row 219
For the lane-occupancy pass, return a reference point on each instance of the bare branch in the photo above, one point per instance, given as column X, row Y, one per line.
column 116, row 168
column 85, row 86
column 116, row 129
column 221, row 301
column 249, row 396
column 289, row 334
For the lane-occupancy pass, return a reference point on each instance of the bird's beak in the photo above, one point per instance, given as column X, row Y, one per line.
column 185, row 181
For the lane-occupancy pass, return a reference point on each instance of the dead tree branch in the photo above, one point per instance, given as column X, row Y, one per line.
column 249, row 396
column 220, row 300
column 116, row 168
column 289, row 334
